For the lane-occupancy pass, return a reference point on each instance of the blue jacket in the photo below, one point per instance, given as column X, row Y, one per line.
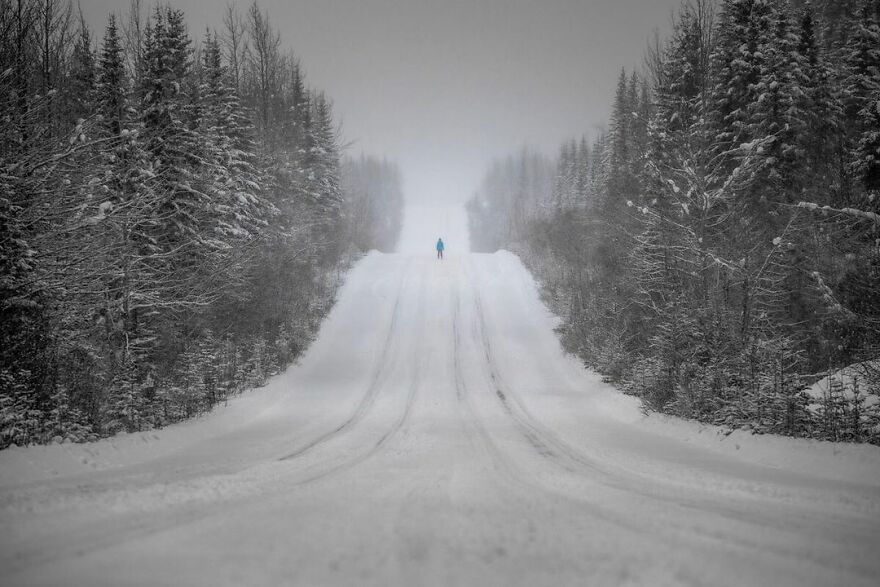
column 440, row 245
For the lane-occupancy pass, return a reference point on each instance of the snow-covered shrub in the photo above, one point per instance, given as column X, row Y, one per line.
column 845, row 404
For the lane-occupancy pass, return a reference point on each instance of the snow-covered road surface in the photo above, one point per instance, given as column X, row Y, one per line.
column 435, row 434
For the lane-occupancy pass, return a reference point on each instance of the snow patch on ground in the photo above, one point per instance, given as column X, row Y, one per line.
column 853, row 388
column 859, row 463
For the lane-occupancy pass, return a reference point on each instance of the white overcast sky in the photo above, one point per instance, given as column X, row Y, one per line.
column 445, row 86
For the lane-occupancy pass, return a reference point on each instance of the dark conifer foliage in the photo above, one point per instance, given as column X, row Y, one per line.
column 723, row 255
column 173, row 225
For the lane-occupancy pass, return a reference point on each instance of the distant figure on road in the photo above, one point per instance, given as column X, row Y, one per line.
column 440, row 247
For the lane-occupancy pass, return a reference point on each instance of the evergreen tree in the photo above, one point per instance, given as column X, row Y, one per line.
column 111, row 83
column 620, row 182
column 737, row 63
column 820, row 139
column 862, row 88
column 564, row 187
column 322, row 187
column 226, row 138
column 582, row 192
column 778, row 116
column 81, row 87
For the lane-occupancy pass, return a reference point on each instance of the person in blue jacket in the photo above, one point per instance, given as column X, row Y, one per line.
column 440, row 247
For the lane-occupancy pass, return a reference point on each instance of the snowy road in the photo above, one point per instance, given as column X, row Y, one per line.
column 435, row 434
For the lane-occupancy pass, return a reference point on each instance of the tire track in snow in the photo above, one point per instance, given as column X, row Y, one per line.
column 176, row 512
column 475, row 428
column 542, row 441
column 379, row 374
column 478, row 433
column 399, row 422
column 559, row 453
column 545, row 442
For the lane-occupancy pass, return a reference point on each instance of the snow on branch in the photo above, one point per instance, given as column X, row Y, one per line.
column 861, row 214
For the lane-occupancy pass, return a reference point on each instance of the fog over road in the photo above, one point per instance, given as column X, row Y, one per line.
column 436, row 434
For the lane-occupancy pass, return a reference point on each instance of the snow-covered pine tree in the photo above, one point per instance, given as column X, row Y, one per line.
column 566, row 173
column 165, row 117
column 583, row 195
column 111, row 80
column 737, row 62
column 233, row 182
column 862, row 100
column 599, row 168
column 129, row 195
column 322, row 187
column 796, row 108
column 125, row 408
column 821, row 142
column 639, row 102
column 80, row 88
column 620, row 183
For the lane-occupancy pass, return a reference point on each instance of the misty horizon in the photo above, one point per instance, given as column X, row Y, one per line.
column 445, row 88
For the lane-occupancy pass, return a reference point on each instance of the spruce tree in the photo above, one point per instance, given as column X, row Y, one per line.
column 111, row 82
column 80, row 89
column 322, row 167
column 861, row 95
column 821, row 138
column 582, row 192
column 737, row 62
column 777, row 116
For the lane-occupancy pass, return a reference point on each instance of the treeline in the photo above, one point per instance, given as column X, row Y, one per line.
column 717, row 250
column 172, row 217
column 375, row 198
column 513, row 194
